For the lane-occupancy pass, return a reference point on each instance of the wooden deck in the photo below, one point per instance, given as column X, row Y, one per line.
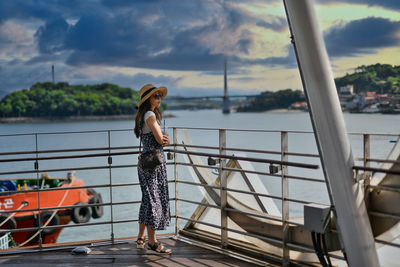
column 126, row 254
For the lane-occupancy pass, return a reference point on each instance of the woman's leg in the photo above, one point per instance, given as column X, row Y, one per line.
column 142, row 227
column 151, row 235
column 141, row 234
column 153, row 239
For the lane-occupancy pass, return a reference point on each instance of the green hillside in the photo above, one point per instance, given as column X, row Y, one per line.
column 61, row 99
column 381, row 78
column 272, row 100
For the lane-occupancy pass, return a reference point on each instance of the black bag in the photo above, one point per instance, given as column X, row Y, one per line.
column 151, row 159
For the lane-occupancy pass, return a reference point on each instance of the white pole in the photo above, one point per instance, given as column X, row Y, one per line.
column 329, row 129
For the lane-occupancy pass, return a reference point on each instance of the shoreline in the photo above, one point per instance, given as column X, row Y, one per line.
column 72, row 118
column 283, row 110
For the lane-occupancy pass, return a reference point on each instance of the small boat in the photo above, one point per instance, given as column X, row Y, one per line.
column 23, row 194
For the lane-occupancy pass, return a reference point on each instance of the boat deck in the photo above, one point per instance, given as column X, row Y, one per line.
column 126, row 254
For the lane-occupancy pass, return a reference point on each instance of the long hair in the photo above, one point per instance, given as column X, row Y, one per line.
column 144, row 107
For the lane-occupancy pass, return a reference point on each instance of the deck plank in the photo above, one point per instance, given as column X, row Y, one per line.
column 126, row 254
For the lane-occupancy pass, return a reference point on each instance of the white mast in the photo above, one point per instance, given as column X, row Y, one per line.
column 330, row 133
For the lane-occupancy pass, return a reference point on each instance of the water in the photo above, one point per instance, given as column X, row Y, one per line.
column 290, row 121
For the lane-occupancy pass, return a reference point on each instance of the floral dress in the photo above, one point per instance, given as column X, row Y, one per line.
column 154, row 209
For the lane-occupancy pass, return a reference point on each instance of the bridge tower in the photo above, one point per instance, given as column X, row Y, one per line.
column 226, row 108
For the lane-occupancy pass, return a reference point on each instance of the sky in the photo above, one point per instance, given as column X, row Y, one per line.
column 183, row 44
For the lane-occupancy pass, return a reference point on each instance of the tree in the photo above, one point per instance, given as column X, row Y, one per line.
column 61, row 99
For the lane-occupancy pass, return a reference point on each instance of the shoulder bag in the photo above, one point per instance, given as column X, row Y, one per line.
column 149, row 159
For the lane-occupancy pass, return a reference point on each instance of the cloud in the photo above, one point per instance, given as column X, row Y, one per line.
column 350, row 39
column 139, row 79
column 15, row 40
column 119, row 41
column 362, row 36
column 288, row 61
column 45, row 9
column 196, row 35
column 52, row 35
column 389, row 4
column 18, row 75
column 275, row 23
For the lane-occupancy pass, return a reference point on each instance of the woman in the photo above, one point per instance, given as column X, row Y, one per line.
column 154, row 209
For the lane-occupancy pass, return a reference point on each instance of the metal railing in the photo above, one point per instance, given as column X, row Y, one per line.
column 284, row 176
column 278, row 169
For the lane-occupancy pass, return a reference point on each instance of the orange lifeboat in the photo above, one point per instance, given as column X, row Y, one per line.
column 22, row 194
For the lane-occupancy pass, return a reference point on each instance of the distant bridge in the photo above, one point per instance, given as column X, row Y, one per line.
column 206, row 101
column 225, row 98
column 182, row 98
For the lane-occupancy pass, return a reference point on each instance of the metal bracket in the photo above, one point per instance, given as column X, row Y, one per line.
column 362, row 177
column 212, row 162
column 273, row 169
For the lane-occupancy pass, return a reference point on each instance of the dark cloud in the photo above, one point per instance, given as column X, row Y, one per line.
column 362, row 36
column 390, row 4
column 128, row 3
column 191, row 35
column 45, row 9
column 52, row 35
column 126, row 41
column 163, row 34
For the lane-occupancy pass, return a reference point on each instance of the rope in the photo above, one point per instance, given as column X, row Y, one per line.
column 11, row 239
column 48, row 221
column 24, row 203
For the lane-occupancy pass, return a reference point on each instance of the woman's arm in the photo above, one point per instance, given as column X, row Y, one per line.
column 155, row 129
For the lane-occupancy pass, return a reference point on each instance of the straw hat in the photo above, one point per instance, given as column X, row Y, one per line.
column 148, row 90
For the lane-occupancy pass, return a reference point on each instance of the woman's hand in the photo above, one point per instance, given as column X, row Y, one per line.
column 166, row 140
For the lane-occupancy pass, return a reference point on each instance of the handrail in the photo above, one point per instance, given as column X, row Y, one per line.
column 372, row 169
column 378, row 160
column 69, row 169
column 67, row 150
column 252, row 150
column 254, row 172
column 71, row 156
column 271, row 161
column 275, row 131
column 67, row 132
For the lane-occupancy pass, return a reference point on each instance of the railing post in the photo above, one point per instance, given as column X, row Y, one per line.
column 175, row 140
column 285, row 202
column 110, row 185
column 223, row 186
column 36, row 167
column 366, row 156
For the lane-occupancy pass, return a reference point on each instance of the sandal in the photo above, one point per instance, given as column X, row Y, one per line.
column 157, row 245
column 140, row 243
